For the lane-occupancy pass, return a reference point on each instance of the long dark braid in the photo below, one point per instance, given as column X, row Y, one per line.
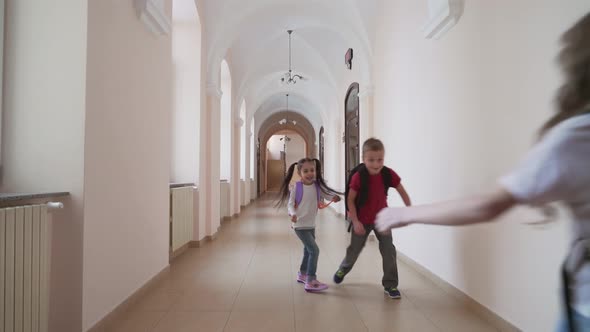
column 323, row 186
column 284, row 191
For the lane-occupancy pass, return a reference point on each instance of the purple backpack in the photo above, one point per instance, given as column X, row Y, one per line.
column 299, row 193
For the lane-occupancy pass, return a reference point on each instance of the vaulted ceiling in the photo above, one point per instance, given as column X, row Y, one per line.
column 252, row 36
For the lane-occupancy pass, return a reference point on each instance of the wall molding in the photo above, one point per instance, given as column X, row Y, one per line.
column 151, row 13
column 442, row 16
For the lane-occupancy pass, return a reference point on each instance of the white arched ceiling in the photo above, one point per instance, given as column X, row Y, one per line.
column 297, row 103
column 320, row 95
column 253, row 33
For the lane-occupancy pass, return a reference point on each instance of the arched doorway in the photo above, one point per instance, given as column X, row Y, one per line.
column 276, row 124
column 351, row 128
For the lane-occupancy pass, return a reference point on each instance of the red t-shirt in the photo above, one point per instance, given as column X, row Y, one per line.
column 376, row 199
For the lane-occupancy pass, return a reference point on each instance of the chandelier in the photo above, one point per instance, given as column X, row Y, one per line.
column 286, row 119
column 289, row 77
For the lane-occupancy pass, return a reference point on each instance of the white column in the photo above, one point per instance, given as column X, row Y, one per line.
column 209, row 171
column 247, row 161
column 235, row 165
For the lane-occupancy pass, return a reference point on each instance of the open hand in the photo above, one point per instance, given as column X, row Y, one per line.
column 389, row 218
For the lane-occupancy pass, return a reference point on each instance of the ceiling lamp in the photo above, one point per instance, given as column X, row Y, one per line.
column 286, row 120
column 289, row 77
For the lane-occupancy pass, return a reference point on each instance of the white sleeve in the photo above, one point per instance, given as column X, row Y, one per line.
column 291, row 203
column 541, row 177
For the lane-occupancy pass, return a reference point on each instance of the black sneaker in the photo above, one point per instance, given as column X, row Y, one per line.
column 339, row 276
column 393, row 292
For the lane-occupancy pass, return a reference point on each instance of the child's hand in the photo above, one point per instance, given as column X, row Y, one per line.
column 336, row 199
column 293, row 218
column 358, row 228
column 389, row 218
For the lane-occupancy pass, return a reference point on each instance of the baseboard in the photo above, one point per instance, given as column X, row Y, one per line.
column 178, row 252
column 200, row 243
column 481, row 310
column 122, row 309
column 211, row 237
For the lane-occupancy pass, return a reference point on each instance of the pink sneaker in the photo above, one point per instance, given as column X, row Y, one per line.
column 301, row 277
column 315, row 286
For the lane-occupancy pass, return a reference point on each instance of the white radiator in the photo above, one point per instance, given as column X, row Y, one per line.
column 181, row 216
column 24, row 268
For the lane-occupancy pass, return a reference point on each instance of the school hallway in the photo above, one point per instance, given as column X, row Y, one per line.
column 140, row 141
column 245, row 280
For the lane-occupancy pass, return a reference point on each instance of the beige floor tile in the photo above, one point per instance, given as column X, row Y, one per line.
column 137, row 321
column 159, row 300
column 205, row 300
column 264, row 299
column 192, row 322
column 328, row 319
column 402, row 320
column 333, row 297
column 245, row 280
column 261, row 321
column 458, row 320
column 372, row 297
column 432, row 300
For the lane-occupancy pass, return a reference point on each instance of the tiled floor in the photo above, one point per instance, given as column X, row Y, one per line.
column 245, row 281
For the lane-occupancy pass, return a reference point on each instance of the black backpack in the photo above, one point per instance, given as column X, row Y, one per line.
column 361, row 197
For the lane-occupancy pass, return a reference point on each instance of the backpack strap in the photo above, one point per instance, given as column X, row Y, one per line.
column 298, row 193
column 363, row 193
column 386, row 177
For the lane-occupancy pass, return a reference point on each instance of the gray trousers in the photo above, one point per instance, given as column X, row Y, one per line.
column 386, row 247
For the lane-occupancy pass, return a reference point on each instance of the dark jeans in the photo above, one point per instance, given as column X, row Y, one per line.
column 388, row 254
column 311, row 252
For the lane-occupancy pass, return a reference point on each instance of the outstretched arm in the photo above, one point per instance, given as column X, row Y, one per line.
column 471, row 210
column 403, row 194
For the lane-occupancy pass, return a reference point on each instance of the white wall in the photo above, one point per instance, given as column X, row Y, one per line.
column 252, row 150
column 274, row 146
column 186, row 54
column 243, row 141
column 455, row 114
column 226, row 123
column 43, row 130
column 295, row 149
column 127, row 156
